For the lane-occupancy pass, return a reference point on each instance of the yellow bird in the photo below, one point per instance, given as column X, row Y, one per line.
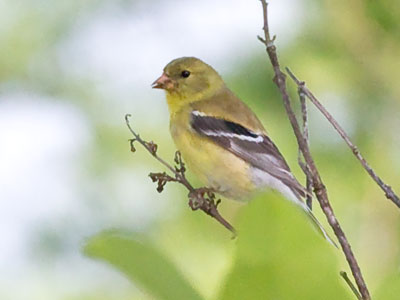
column 221, row 140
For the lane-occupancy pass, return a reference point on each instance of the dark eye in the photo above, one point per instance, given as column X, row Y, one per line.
column 185, row 74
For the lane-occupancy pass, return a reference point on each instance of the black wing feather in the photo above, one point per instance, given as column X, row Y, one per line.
column 256, row 149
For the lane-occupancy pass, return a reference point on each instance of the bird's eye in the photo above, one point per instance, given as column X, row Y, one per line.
column 185, row 74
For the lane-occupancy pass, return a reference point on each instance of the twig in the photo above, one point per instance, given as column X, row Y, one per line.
column 319, row 187
column 202, row 198
column 304, row 166
column 350, row 284
column 389, row 193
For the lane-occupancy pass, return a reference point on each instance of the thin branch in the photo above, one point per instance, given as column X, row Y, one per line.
column 389, row 193
column 350, row 284
column 304, row 166
column 202, row 198
column 319, row 187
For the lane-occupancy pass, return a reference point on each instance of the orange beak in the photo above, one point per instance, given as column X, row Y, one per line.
column 163, row 82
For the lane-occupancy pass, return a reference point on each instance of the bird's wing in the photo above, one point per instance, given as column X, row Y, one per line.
column 255, row 148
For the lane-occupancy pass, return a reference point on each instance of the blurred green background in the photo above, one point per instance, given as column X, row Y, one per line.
column 71, row 70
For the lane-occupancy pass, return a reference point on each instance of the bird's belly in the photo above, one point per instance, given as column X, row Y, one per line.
column 215, row 167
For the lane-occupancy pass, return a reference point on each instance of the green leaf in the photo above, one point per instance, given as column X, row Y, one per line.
column 279, row 255
column 143, row 264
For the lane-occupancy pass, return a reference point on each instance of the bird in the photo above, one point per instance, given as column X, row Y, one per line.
column 221, row 139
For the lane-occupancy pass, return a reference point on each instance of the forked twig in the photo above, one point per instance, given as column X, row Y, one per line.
column 202, row 198
column 350, row 284
column 389, row 193
column 319, row 187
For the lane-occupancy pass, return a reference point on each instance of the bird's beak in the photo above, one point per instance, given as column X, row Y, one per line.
column 163, row 82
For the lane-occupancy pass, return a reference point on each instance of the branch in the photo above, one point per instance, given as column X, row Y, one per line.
column 304, row 166
column 350, row 284
column 386, row 188
column 319, row 187
column 202, row 198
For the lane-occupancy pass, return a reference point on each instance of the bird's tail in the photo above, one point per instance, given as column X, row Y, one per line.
column 296, row 194
column 316, row 223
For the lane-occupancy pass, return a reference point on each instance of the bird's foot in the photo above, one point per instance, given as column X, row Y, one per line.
column 203, row 198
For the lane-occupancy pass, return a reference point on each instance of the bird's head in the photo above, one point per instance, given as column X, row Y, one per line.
column 188, row 79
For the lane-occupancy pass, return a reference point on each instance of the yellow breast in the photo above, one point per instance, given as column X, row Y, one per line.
column 215, row 167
